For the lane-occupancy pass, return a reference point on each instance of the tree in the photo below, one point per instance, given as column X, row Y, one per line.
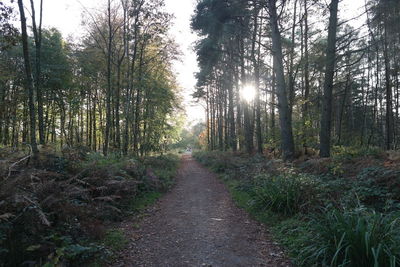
column 326, row 117
column 283, row 105
column 37, row 33
column 8, row 33
column 29, row 79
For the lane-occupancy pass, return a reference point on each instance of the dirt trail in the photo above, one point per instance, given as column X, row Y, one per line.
column 197, row 224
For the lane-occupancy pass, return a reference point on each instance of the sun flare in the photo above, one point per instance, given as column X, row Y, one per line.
column 248, row 93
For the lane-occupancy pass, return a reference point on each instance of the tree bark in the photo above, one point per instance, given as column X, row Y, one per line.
column 37, row 32
column 326, row 117
column 29, row 79
column 109, row 85
column 285, row 120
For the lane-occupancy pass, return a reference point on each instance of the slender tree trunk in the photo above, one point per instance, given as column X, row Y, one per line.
column 37, row 32
column 137, row 133
column 272, row 105
column 291, row 81
column 109, row 85
column 326, row 118
column 388, row 88
column 29, row 80
column 306, row 116
column 255, row 55
column 231, row 114
column 117, row 108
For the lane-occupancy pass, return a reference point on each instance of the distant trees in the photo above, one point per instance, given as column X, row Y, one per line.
column 339, row 88
column 8, row 32
column 114, row 92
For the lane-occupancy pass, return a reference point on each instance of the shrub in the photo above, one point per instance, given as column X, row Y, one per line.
column 349, row 152
column 286, row 194
column 221, row 162
column 73, row 203
column 115, row 240
column 376, row 184
column 352, row 238
column 160, row 172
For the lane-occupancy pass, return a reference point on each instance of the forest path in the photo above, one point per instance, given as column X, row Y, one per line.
column 197, row 224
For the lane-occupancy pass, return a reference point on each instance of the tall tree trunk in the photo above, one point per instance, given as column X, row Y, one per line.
column 109, row 85
column 283, row 106
column 291, row 81
column 138, row 102
column 255, row 55
column 29, row 79
column 231, row 112
column 326, row 117
column 388, row 88
column 306, row 79
column 117, row 107
column 37, row 32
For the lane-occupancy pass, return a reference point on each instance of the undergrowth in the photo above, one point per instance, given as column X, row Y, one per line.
column 340, row 216
column 56, row 212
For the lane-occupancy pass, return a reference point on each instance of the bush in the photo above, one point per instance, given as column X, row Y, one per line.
column 115, row 240
column 352, row 238
column 160, row 172
column 220, row 161
column 349, row 152
column 74, row 204
column 318, row 217
column 377, row 184
column 286, row 194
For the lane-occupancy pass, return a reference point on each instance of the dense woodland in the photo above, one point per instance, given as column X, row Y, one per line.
column 312, row 83
column 83, row 122
column 302, row 125
column 113, row 91
column 320, row 80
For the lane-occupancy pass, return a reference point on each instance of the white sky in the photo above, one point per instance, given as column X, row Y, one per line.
column 66, row 15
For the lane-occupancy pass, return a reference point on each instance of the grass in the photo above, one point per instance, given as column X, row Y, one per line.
column 145, row 200
column 115, row 240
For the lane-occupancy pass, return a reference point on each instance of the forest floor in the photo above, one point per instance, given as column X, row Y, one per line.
column 198, row 224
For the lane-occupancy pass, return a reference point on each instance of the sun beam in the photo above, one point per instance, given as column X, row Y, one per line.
column 248, row 93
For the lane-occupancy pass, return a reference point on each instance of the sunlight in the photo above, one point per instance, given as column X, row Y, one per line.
column 248, row 93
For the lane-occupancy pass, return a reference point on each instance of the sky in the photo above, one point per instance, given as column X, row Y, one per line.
column 66, row 15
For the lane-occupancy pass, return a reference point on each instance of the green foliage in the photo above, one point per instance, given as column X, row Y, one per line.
column 350, row 152
column 115, row 240
column 293, row 233
column 219, row 161
column 352, row 238
column 162, row 168
column 190, row 137
column 145, row 200
column 376, row 185
column 65, row 248
column 286, row 194
column 8, row 32
column 318, row 218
